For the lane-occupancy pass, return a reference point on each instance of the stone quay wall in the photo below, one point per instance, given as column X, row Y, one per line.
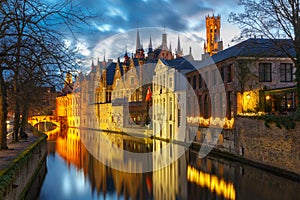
column 277, row 147
column 18, row 178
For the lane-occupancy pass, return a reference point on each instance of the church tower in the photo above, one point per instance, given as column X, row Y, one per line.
column 139, row 51
column 179, row 50
column 213, row 42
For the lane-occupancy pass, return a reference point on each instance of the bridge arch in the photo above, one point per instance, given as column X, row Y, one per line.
column 42, row 119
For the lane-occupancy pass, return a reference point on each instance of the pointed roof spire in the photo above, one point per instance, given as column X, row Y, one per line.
column 138, row 41
column 150, row 49
column 164, row 44
column 104, row 57
column 178, row 44
column 126, row 54
column 179, row 51
column 150, row 43
column 170, row 49
column 93, row 66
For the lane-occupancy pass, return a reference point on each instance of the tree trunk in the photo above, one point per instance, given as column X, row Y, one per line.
column 297, row 73
column 17, row 112
column 24, row 118
column 16, row 122
column 3, row 113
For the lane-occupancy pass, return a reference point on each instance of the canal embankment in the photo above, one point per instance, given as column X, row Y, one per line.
column 273, row 149
column 251, row 142
column 23, row 165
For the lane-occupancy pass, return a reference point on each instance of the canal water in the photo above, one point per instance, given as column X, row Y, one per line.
column 80, row 166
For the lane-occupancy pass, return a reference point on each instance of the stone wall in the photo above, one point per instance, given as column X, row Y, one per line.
column 223, row 139
column 270, row 146
column 17, row 180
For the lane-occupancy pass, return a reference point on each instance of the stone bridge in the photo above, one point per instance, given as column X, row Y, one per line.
column 42, row 119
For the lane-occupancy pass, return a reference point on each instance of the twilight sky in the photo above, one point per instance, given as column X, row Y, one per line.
column 115, row 27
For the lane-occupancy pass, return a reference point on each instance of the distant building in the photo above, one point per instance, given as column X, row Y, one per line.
column 213, row 42
column 129, row 80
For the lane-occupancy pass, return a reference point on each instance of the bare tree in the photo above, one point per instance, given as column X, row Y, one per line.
column 273, row 19
column 32, row 49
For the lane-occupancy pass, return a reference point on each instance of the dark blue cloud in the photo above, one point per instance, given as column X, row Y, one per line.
column 116, row 16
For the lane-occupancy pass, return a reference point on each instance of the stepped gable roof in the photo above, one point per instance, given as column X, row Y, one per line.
column 136, row 62
column 179, row 64
column 255, row 47
column 157, row 52
column 110, row 72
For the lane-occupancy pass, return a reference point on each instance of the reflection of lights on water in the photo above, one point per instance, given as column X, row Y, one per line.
column 212, row 182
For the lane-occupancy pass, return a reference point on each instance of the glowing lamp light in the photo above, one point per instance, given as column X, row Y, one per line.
column 248, row 96
column 268, row 97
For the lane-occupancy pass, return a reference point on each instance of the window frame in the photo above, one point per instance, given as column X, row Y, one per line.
column 286, row 74
column 263, row 72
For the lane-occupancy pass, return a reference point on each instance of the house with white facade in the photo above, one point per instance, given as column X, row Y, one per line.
column 169, row 98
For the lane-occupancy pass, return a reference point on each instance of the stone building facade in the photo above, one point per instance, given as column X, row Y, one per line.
column 253, row 76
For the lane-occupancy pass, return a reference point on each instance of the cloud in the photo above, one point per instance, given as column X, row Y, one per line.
column 184, row 17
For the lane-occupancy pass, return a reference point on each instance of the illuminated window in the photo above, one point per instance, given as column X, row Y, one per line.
column 171, row 108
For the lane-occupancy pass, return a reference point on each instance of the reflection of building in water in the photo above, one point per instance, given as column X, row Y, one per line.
column 104, row 179
column 169, row 182
column 119, row 150
column 69, row 147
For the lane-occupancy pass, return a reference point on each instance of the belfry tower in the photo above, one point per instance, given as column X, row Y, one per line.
column 213, row 42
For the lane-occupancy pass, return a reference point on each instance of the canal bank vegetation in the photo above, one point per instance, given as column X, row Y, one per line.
column 34, row 55
column 9, row 175
column 281, row 121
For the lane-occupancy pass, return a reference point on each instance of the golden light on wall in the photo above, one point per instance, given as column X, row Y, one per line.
column 215, row 122
column 249, row 101
column 212, row 182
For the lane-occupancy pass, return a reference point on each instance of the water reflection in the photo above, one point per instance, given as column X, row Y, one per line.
column 74, row 173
